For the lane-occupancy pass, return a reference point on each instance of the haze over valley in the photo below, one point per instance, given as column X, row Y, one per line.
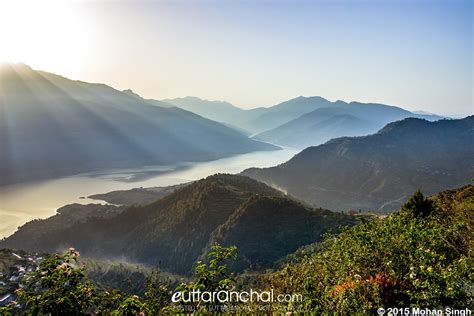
column 80, row 127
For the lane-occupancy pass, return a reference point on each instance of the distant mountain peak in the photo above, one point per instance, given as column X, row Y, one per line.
column 314, row 97
column 190, row 97
column 132, row 93
column 198, row 99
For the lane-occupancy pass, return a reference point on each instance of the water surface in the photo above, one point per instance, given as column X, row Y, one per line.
column 24, row 202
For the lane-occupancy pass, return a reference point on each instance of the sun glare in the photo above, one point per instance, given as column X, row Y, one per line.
column 47, row 35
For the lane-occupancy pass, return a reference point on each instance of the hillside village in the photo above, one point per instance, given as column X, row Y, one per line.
column 14, row 265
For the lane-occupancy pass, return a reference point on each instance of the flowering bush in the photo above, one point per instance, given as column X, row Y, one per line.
column 58, row 287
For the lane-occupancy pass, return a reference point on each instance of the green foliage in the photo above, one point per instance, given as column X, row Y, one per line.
column 417, row 257
column 8, row 310
column 132, row 305
column 157, row 293
column 58, row 287
column 212, row 276
column 109, row 301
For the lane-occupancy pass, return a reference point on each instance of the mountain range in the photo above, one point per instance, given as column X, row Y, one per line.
column 51, row 126
column 302, row 121
column 180, row 227
column 337, row 120
column 379, row 171
column 220, row 111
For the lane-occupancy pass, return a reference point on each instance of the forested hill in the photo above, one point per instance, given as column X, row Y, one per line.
column 379, row 171
column 176, row 230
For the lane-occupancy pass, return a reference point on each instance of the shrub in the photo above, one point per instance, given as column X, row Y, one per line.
column 417, row 257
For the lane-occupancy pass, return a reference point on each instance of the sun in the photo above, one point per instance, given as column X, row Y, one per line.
column 47, row 35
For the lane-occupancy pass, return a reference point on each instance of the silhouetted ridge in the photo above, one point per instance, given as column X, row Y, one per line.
column 82, row 127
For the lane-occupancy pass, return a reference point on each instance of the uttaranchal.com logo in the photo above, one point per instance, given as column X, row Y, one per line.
column 227, row 296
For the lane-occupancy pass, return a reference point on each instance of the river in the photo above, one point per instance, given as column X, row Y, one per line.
column 23, row 202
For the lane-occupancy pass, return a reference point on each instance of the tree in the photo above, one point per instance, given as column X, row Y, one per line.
column 157, row 293
column 212, row 276
column 131, row 306
column 418, row 205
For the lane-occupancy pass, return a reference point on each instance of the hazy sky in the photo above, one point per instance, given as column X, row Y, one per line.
column 415, row 54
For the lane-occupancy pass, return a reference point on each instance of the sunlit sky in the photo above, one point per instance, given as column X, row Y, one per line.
column 415, row 54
